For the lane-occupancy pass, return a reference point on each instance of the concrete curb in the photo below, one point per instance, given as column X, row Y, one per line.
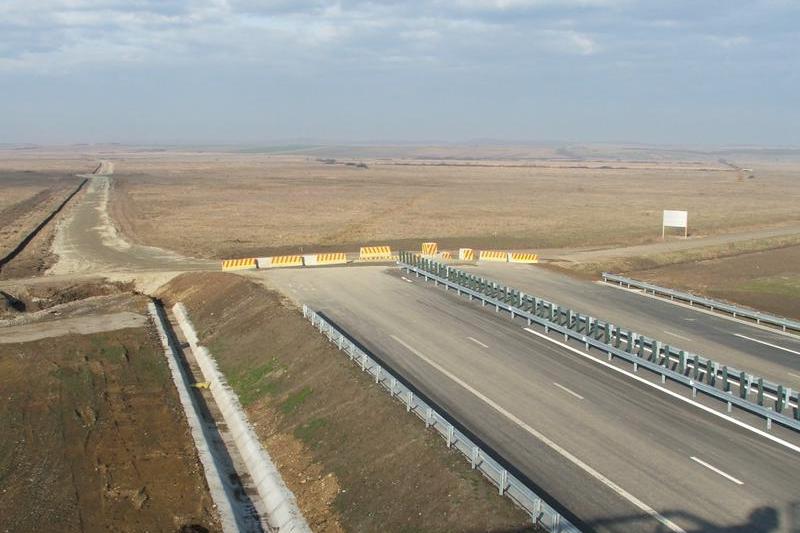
column 283, row 514
column 216, row 487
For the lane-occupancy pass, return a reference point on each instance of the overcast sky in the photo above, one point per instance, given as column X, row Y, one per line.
column 250, row 71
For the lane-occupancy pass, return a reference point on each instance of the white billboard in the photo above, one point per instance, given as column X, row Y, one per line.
column 675, row 219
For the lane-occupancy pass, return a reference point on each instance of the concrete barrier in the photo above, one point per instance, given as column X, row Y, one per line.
column 212, row 471
column 335, row 258
column 521, row 257
column 466, row 254
column 282, row 511
column 429, row 248
column 280, row 261
column 239, row 264
column 375, row 253
column 493, row 255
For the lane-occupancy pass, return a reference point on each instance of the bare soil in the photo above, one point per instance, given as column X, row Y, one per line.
column 238, row 205
column 37, row 195
column 352, row 456
column 26, row 299
column 92, row 438
column 766, row 280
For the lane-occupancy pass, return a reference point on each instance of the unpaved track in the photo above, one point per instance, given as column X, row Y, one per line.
column 87, row 242
column 674, row 245
column 84, row 325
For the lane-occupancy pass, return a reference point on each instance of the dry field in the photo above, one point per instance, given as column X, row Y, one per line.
column 224, row 204
column 92, row 435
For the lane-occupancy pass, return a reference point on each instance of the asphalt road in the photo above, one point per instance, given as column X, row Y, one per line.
column 756, row 350
column 619, row 454
column 88, row 242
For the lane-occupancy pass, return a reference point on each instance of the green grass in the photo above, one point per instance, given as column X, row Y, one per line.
column 309, row 432
column 253, row 384
column 785, row 285
column 295, row 400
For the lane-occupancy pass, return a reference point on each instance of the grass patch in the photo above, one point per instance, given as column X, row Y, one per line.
column 253, row 384
column 309, row 432
column 295, row 400
column 786, row 285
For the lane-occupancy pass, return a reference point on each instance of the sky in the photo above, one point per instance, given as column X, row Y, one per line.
column 260, row 72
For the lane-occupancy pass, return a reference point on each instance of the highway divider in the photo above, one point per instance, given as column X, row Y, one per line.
column 493, row 255
column 239, row 264
column 680, row 366
column 522, row 257
column 336, row 258
column 542, row 514
column 785, row 324
column 430, row 248
column 375, row 253
column 466, row 254
column 280, row 261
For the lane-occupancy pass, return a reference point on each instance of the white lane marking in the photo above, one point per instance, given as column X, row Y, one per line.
column 717, row 470
column 562, row 387
column 676, row 335
column 767, row 344
column 670, row 393
column 577, row 462
column 476, row 341
column 793, row 374
column 406, row 279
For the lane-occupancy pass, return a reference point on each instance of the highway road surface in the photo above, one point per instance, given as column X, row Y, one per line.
column 619, row 454
column 757, row 350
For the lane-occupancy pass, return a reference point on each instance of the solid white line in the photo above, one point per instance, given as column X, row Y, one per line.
column 476, row 341
column 676, row 335
column 717, row 470
column 793, row 374
column 562, row 387
column 577, row 462
column 670, row 393
column 406, row 279
column 767, row 344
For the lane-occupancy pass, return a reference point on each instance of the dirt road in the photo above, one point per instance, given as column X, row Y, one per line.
column 87, row 241
column 84, row 325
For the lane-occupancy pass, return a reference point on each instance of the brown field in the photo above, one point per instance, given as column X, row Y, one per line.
column 219, row 205
column 93, row 434
column 766, row 280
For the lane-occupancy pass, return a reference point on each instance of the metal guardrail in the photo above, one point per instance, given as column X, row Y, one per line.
column 785, row 324
column 684, row 368
column 541, row 513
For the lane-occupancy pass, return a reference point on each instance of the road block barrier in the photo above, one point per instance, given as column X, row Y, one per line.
column 336, row 258
column 375, row 253
column 280, row 261
column 493, row 255
column 466, row 254
column 239, row 264
column 430, row 248
column 446, row 255
column 520, row 257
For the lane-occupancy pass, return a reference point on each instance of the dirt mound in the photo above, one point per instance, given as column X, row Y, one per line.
column 353, row 457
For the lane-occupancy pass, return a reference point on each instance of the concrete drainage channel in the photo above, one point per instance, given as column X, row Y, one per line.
column 244, row 483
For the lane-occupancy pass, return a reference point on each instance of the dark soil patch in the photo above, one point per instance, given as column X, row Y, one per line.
column 766, row 280
column 353, row 457
column 93, row 438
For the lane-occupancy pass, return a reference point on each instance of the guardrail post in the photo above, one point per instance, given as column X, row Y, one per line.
column 641, row 345
column 711, row 372
column 474, row 457
column 607, row 333
column 682, row 362
column 378, row 373
column 779, row 400
column 726, row 386
column 428, row 416
column 629, row 347
column 409, row 401
column 655, row 350
column 696, row 366
column 760, row 393
column 665, row 361
column 503, row 481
